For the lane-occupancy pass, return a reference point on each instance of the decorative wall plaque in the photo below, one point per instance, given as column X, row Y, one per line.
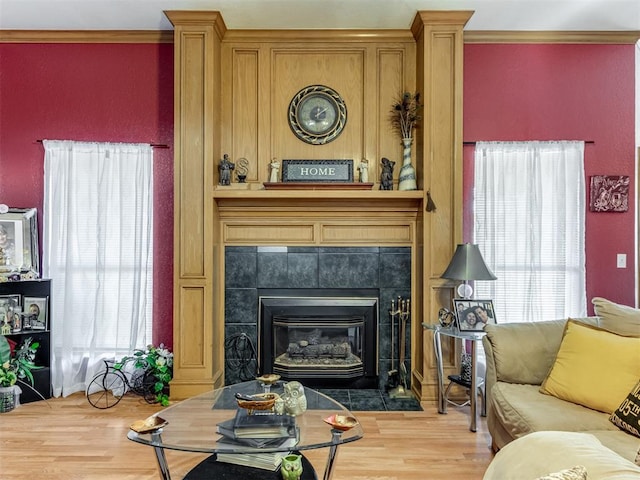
column 322, row 171
column 609, row 193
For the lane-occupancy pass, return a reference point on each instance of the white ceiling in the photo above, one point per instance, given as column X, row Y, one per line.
column 580, row 15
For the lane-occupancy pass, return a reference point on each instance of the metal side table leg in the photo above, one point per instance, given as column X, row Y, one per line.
column 473, row 394
column 437, row 346
column 333, row 452
column 156, row 439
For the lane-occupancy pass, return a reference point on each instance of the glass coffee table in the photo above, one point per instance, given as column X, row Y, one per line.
column 191, row 426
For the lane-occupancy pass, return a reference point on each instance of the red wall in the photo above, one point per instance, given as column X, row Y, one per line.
column 562, row 92
column 91, row 92
column 124, row 93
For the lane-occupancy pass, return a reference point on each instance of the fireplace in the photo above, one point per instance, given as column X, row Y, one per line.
column 252, row 272
column 324, row 337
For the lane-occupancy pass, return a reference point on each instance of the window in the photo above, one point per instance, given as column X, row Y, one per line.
column 97, row 232
column 529, row 204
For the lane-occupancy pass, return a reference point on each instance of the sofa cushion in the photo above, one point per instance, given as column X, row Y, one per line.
column 522, row 409
column 539, row 453
column 594, row 367
column 627, row 415
column 616, row 318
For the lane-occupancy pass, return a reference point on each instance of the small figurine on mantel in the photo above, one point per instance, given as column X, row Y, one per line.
column 275, row 168
column 242, row 170
column 364, row 171
column 225, row 168
column 386, row 177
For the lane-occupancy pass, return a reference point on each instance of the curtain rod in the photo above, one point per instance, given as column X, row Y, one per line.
column 474, row 142
column 154, row 145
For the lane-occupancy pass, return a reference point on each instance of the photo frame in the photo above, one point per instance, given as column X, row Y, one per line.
column 36, row 313
column 10, row 320
column 19, row 249
column 472, row 315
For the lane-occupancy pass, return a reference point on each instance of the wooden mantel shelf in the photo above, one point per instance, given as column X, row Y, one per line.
column 375, row 195
column 319, row 200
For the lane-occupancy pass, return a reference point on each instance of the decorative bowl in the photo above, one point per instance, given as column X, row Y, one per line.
column 259, row 401
column 269, row 378
column 341, row 422
column 148, row 425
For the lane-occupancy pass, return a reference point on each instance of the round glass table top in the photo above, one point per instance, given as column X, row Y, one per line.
column 192, row 424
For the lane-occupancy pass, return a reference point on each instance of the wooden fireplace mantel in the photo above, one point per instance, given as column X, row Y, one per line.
column 231, row 89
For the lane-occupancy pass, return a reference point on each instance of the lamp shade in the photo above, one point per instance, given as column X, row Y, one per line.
column 467, row 264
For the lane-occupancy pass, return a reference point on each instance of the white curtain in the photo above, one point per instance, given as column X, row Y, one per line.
column 97, row 250
column 529, row 211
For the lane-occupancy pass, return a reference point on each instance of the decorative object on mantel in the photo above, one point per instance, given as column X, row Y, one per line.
column 363, row 168
column 322, row 171
column 242, row 170
column 609, row 193
column 225, row 168
column 386, row 176
column 275, row 169
column 405, row 113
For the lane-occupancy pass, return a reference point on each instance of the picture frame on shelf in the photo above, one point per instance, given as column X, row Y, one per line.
column 473, row 314
column 35, row 313
column 19, row 242
column 10, row 321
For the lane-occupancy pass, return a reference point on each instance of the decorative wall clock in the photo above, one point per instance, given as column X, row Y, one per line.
column 317, row 114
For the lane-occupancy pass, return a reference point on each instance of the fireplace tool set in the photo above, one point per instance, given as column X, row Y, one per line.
column 397, row 383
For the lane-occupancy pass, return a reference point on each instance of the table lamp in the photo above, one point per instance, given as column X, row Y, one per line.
column 467, row 264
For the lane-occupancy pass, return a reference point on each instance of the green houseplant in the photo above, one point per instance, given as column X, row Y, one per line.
column 156, row 363
column 15, row 366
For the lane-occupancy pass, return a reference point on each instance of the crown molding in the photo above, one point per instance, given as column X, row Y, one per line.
column 166, row 36
column 508, row 36
column 86, row 36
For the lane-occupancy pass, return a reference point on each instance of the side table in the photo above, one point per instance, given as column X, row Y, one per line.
column 473, row 337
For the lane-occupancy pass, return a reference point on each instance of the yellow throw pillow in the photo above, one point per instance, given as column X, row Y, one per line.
column 593, row 367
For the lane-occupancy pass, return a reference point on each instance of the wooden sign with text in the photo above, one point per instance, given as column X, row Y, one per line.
column 321, row 171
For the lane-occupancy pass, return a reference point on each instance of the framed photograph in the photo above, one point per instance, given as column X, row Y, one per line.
column 35, row 313
column 10, row 320
column 472, row 315
column 19, row 241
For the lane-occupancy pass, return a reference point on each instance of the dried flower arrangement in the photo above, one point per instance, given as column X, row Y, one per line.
column 405, row 113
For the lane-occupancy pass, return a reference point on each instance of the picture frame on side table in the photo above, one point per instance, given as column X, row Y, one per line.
column 35, row 313
column 472, row 314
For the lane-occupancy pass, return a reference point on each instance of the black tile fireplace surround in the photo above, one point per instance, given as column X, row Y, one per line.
column 249, row 269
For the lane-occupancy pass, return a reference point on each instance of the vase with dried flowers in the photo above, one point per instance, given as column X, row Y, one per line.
column 405, row 114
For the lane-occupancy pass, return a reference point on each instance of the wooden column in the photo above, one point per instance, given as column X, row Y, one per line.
column 197, row 46
column 439, row 66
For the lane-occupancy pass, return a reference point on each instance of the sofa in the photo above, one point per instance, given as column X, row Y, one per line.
column 536, row 428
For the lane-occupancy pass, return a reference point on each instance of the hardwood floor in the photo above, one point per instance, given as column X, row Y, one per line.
column 68, row 439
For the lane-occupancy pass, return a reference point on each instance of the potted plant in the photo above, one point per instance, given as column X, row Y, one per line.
column 156, row 363
column 405, row 114
column 15, row 365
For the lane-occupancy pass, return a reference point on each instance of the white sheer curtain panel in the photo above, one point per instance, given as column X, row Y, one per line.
column 529, row 211
column 97, row 250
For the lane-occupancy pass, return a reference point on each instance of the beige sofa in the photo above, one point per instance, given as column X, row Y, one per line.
column 518, row 358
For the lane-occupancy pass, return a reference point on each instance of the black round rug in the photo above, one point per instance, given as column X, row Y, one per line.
column 210, row 469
